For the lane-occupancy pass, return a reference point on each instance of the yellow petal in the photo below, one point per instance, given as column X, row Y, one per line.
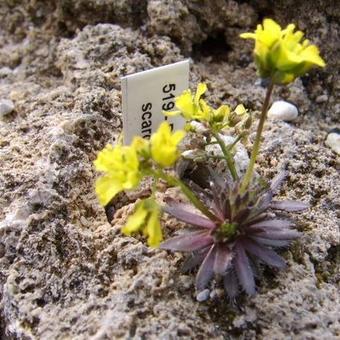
column 136, row 220
column 164, row 145
column 240, row 109
column 248, row 35
column 106, row 188
column 177, row 137
column 153, row 229
column 201, row 88
column 204, row 111
column 140, row 144
column 104, row 159
column 185, row 104
column 311, row 54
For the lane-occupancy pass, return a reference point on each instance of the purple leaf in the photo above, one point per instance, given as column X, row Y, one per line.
column 217, row 209
column 261, row 205
column 266, row 255
column 194, row 260
column 272, row 243
column 277, row 181
column 206, row 271
column 231, row 284
column 181, row 214
column 222, row 259
column 188, row 242
column 279, row 235
column 272, row 225
column 289, row 205
column 264, row 202
column 243, row 270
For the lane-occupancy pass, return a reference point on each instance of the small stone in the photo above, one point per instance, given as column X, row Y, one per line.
column 203, row 295
column 6, row 107
column 322, row 99
column 333, row 140
column 5, row 72
column 281, row 110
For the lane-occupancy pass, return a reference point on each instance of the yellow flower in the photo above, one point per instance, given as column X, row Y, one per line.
column 121, row 171
column 280, row 54
column 192, row 106
column 164, row 145
column 146, row 218
column 142, row 146
column 221, row 114
column 240, row 110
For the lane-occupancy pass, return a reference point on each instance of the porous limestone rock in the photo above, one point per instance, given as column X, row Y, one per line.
column 65, row 272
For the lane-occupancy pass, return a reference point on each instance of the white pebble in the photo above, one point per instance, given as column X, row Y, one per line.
column 6, row 107
column 281, row 110
column 203, row 295
column 333, row 141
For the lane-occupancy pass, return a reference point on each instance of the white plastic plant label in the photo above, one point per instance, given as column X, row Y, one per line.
column 145, row 95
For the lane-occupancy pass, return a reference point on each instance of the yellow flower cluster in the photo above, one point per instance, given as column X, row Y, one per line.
column 280, row 54
column 164, row 144
column 193, row 107
column 146, row 218
column 123, row 165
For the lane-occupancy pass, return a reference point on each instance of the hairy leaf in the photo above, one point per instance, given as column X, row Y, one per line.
column 243, row 269
column 231, row 284
column 289, row 205
column 271, row 225
column 277, row 181
column 194, row 259
column 266, row 255
column 272, row 243
column 279, row 235
column 222, row 259
column 206, row 271
column 188, row 242
column 181, row 214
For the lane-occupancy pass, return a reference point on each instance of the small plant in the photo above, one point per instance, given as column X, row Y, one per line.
column 233, row 219
column 239, row 236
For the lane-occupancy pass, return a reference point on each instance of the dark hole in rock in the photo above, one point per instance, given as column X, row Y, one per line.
column 215, row 46
column 40, row 302
column 333, row 254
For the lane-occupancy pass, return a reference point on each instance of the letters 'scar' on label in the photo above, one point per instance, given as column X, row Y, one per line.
column 145, row 95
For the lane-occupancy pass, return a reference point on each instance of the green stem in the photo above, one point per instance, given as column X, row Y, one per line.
column 256, row 147
column 216, row 157
column 227, row 155
column 211, row 143
column 230, row 146
column 171, row 180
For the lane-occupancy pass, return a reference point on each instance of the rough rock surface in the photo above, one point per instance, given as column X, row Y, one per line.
column 65, row 271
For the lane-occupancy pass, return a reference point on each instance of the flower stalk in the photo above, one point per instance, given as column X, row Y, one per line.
column 191, row 196
column 228, row 157
column 256, row 147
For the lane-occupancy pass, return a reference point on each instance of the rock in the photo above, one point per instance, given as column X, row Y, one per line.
column 333, row 140
column 241, row 155
column 321, row 99
column 282, row 110
column 6, row 107
column 4, row 72
column 203, row 295
column 65, row 271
